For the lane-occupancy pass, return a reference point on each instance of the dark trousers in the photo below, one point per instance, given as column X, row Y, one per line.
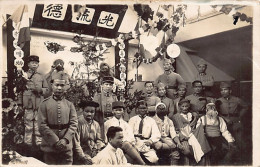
column 61, row 158
column 219, row 149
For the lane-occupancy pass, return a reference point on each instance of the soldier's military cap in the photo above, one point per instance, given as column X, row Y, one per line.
column 159, row 85
column 60, row 76
column 184, row 101
column 202, row 62
column 182, row 86
column 118, row 104
column 33, row 58
column 167, row 61
column 141, row 102
column 225, row 85
column 108, row 79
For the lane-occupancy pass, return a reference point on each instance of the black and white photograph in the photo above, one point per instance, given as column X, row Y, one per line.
column 147, row 83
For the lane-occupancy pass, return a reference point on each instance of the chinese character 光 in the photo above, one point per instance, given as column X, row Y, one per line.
column 107, row 20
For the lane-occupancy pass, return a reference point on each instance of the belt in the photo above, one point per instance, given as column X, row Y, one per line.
column 141, row 137
column 108, row 114
column 59, row 126
column 231, row 115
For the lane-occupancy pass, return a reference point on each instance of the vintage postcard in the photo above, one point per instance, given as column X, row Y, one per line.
column 130, row 83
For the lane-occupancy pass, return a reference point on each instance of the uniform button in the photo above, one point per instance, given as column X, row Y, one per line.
column 59, row 107
column 59, row 121
column 59, row 130
column 58, row 116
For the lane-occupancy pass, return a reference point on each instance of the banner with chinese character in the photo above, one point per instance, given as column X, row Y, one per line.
column 54, row 11
column 95, row 20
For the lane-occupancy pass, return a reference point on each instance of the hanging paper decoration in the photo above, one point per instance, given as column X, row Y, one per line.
column 144, row 11
column 53, row 47
column 18, row 52
column 173, row 50
column 231, row 10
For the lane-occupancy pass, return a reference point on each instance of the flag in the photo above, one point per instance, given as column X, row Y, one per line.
column 199, row 143
column 21, row 18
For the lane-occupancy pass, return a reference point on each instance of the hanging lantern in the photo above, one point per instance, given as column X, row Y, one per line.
column 173, row 50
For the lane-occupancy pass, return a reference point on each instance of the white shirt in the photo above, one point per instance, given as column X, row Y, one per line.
column 223, row 127
column 110, row 156
column 127, row 130
column 165, row 126
column 150, row 128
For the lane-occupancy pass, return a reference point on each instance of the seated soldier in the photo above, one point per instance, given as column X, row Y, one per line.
column 217, row 134
column 196, row 103
column 128, row 148
column 150, row 98
column 161, row 91
column 166, row 147
column 88, row 133
column 146, row 133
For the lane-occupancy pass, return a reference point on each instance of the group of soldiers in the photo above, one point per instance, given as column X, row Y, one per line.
column 165, row 128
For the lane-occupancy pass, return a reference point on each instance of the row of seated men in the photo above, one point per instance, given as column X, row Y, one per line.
column 153, row 136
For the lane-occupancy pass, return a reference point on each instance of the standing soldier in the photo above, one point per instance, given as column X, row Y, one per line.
column 57, row 124
column 232, row 109
column 105, row 99
column 36, row 87
column 57, row 69
column 206, row 78
column 170, row 79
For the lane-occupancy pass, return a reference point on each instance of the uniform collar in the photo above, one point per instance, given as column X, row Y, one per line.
column 162, row 97
column 31, row 71
column 149, row 95
column 57, row 98
column 107, row 94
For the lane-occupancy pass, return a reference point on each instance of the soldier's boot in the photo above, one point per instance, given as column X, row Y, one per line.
column 132, row 153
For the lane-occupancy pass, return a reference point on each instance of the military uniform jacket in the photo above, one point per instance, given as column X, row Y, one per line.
column 172, row 79
column 56, row 112
column 232, row 107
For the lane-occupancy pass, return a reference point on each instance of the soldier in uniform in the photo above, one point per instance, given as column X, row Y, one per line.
column 182, row 90
column 232, row 109
column 161, row 91
column 170, row 79
column 36, row 87
column 57, row 69
column 206, row 78
column 57, row 124
column 197, row 100
column 105, row 99
column 150, row 98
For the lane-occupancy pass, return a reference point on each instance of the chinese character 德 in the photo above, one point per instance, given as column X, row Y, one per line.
column 54, row 10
